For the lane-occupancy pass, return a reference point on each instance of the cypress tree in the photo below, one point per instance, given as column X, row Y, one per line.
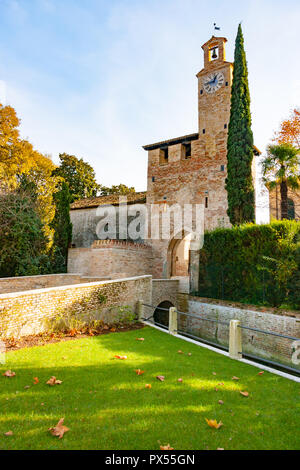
column 62, row 229
column 239, row 184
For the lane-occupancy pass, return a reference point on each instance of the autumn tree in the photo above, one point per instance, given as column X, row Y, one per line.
column 281, row 166
column 289, row 131
column 79, row 175
column 239, row 184
column 120, row 189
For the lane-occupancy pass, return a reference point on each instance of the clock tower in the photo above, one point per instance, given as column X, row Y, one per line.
column 214, row 89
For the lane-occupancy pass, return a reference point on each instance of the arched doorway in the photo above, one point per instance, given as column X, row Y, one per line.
column 161, row 314
column 179, row 260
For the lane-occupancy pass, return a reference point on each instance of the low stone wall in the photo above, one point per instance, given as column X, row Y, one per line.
column 111, row 258
column 29, row 312
column 260, row 344
column 22, row 283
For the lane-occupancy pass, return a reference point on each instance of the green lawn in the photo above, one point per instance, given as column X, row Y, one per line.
column 106, row 405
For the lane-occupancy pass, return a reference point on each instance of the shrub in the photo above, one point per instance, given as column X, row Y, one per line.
column 252, row 263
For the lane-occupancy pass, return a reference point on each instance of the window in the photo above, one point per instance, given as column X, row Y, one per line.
column 153, row 179
column 187, row 150
column 163, row 156
column 206, row 202
column 201, row 92
column 225, row 126
column 222, row 167
column 226, row 84
column 203, row 131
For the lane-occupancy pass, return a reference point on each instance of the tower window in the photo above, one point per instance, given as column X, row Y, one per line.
column 201, row 92
column 203, row 131
column 222, row 167
column 206, row 202
column 153, row 179
column 226, row 84
column 225, row 126
column 164, row 156
column 187, row 150
column 214, row 53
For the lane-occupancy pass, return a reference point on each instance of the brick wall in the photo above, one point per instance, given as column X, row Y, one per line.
column 111, row 258
column 275, row 201
column 22, row 283
column 25, row 313
column 256, row 343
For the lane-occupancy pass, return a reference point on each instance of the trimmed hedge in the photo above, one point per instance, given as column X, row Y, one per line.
column 252, row 263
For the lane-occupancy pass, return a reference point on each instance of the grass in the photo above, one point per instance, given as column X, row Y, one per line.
column 106, row 405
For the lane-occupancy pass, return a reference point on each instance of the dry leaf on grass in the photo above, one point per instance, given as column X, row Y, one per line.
column 139, row 372
column 179, row 380
column 212, row 423
column 167, row 447
column 53, row 381
column 9, row 373
column 8, row 433
column 235, row 378
column 180, row 352
column 161, row 378
column 120, row 357
column 245, row 394
column 35, row 380
column 59, row 430
column 260, row 373
column 113, row 329
column 221, row 402
column 148, row 386
column 140, row 339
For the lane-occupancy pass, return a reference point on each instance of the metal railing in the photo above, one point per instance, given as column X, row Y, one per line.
column 235, row 337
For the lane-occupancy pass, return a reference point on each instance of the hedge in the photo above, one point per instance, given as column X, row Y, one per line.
column 252, row 263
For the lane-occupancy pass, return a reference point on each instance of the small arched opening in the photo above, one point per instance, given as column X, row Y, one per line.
column 161, row 314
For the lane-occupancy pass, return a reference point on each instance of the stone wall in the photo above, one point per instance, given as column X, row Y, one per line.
column 26, row 313
column 164, row 289
column 22, row 283
column 111, row 258
column 262, row 345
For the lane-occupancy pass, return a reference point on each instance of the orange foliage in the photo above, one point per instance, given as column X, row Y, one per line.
column 289, row 132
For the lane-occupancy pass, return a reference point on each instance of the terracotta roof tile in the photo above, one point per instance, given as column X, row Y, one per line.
column 112, row 199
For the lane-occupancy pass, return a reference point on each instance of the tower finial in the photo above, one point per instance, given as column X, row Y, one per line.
column 216, row 28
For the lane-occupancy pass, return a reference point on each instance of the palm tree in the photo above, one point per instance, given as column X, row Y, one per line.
column 281, row 166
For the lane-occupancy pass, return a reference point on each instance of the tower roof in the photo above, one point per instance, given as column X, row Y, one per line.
column 214, row 38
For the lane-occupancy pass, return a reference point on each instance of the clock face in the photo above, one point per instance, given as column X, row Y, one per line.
column 213, row 82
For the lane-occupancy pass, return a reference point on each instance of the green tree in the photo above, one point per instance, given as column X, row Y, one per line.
column 121, row 189
column 239, row 184
column 62, row 227
column 79, row 175
column 281, row 166
column 23, row 243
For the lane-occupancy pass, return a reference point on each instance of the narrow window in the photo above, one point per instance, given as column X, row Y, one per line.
column 226, row 83
column 164, row 156
column 225, row 126
column 206, row 202
column 203, row 131
column 222, row 167
column 153, row 179
column 201, row 92
column 187, row 150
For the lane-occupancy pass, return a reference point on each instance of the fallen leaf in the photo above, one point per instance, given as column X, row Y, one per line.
column 261, row 373
column 214, row 373
column 113, row 330
column 59, row 430
column 221, row 402
column 8, row 433
column 9, row 373
column 106, row 327
column 213, row 423
column 160, row 377
column 220, row 448
column 53, row 381
column 167, row 447
column 179, row 380
column 189, row 354
column 148, row 386
column 35, row 380
column 235, row 378
column 139, row 372
column 245, row 394
column 140, row 339
column 180, row 352
column 120, row 357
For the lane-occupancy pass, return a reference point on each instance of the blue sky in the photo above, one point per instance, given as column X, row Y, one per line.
column 99, row 79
